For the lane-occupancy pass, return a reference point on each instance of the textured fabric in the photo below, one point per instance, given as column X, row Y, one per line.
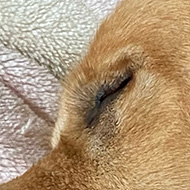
column 39, row 40
column 28, row 106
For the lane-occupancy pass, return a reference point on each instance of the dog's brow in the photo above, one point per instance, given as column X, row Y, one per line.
column 130, row 56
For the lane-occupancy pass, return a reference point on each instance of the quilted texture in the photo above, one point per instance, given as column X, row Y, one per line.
column 39, row 41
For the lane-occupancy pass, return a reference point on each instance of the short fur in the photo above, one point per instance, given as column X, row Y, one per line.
column 141, row 138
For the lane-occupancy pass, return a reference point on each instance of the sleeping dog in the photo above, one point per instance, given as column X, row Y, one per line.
column 124, row 119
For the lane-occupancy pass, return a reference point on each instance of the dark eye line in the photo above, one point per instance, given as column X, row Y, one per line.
column 106, row 94
column 113, row 88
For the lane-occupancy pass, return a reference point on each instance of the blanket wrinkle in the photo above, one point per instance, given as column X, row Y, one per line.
column 28, row 107
column 50, row 32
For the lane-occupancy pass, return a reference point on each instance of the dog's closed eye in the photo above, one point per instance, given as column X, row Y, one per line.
column 106, row 94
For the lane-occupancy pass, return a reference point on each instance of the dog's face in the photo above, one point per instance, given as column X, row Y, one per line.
column 126, row 105
column 125, row 110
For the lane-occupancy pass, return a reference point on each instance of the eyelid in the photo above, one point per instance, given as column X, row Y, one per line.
column 107, row 93
column 117, row 85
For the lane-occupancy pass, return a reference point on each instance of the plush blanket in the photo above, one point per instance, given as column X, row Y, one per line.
column 39, row 41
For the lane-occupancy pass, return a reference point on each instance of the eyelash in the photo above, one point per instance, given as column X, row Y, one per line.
column 106, row 94
column 115, row 87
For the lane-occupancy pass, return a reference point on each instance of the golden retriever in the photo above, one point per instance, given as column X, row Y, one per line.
column 124, row 119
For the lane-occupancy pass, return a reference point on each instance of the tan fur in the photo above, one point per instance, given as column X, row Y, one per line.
column 141, row 139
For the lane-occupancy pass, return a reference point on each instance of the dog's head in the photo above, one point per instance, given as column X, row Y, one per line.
column 125, row 110
column 126, row 106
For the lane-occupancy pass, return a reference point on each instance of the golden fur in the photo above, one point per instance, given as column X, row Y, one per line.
column 139, row 136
